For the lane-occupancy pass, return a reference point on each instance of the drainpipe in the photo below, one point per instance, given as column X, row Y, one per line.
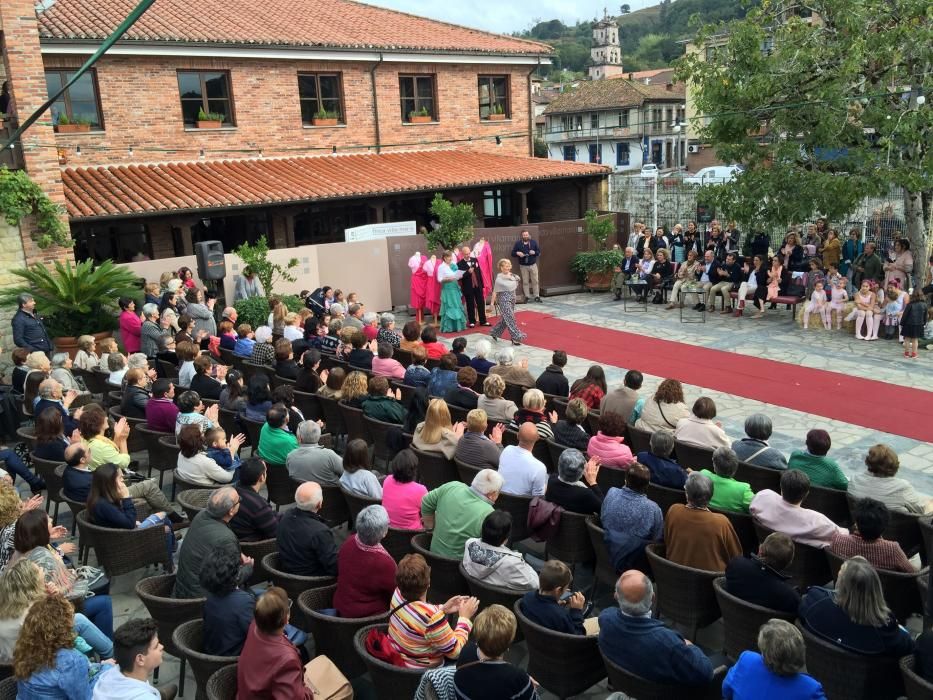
column 531, row 113
column 372, row 82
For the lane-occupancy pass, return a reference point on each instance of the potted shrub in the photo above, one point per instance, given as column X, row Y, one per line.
column 422, row 116
column 72, row 126
column 497, row 114
column 595, row 268
column 324, row 118
column 75, row 299
column 209, row 120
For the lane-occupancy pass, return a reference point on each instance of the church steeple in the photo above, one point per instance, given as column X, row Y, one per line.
column 606, row 53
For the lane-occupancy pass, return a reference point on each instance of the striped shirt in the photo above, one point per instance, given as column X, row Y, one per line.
column 420, row 633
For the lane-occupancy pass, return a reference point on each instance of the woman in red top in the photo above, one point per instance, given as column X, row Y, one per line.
column 433, row 348
column 591, row 388
column 366, row 577
column 269, row 667
column 130, row 325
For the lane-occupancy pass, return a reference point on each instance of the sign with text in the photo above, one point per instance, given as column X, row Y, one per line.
column 371, row 232
column 705, row 213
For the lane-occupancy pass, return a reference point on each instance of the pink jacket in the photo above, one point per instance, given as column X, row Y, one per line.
column 130, row 326
column 610, row 450
column 388, row 368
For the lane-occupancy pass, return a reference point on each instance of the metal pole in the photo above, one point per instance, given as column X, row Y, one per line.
column 655, row 224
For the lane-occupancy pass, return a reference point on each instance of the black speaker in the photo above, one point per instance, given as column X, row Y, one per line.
column 211, row 264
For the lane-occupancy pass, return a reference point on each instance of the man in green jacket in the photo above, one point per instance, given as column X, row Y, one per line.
column 867, row 266
column 728, row 494
column 275, row 440
column 382, row 403
column 456, row 511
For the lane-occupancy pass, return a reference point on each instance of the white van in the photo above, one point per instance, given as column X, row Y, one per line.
column 714, row 175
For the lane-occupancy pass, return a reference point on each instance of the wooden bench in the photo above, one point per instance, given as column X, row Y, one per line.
column 790, row 301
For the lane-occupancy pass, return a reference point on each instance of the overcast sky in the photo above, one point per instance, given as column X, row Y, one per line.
column 509, row 16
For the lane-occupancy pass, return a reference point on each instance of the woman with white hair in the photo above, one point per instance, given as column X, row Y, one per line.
column 510, row 372
column 86, row 357
column 61, row 372
column 366, row 571
column 387, row 332
column 481, row 350
column 150, row 331
column 263, row 350
column 370, row 331
column 169, row 320
column 574, row 486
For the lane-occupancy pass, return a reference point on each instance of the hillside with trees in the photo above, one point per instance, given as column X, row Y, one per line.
column 648, row 37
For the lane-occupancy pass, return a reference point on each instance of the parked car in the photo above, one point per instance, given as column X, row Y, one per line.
column 714, row 175
column 649, row 170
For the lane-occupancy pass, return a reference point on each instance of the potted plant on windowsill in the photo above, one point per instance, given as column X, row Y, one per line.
column 497, row 114
column 421, row 116
column 595, row 268
column 77, row 125
column 324, row 118
column 209, row 120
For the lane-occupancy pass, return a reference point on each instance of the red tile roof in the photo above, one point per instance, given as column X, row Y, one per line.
column 317, row 23
column 126, row 190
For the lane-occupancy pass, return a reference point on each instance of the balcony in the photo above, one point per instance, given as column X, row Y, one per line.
column 590, row 134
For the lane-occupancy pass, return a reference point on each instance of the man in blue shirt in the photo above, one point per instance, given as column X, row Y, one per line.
column 528, row 252
column 632, row 639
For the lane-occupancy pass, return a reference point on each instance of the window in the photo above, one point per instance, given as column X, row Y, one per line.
column 594, row 153
column 417, row 97
column 594, row 120
column 623, row 119
column 494, row 96
column 495, row 205
column 321, row 95
column 622, row 155
column 205, row 90
column 80, row 101
column 570, row 152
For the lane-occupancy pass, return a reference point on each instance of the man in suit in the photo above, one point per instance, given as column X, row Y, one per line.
column 707, row 275
column 472, row 285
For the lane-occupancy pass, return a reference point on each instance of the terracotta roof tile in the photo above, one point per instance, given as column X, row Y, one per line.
column 317, row 23
column 126, row 190
column 611, row 94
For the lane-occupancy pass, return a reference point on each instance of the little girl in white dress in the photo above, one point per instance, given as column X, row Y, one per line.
column 817, row 305
column 837, row 304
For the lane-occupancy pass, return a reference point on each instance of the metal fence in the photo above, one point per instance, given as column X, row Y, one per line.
column 879, row 218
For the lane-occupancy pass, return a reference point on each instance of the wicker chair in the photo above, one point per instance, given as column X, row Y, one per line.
column 188, row 638
column 555, row 450
column 759, row 478
column 121, row 551
column 398, row 542
column 155, row 593
column 293, row 584
column 849, row 676
column 378, row 432
column 180, row 485
column 693, row 457
column 95, row 381
column 353, row 420
column 514, row 393
column 900, row 589
column 809, row 567
column 280, row 486
column 605, row 569
column 571, row 542
column 830, row 502
column 609, row 478
column 8, row 689
column 334, row 506
column 193, row 501
column 403, row 357
column 222, row 684
column 113, row 399
column 48, row 470
column 135, row 442
column 434, row 469
column 333, row 417
column 744, row 526
column 635, row 686
column 257, row 550
column 309, row 405
column 157, row 454
column 467, row 472
column 639, row 440
column 491, row 595
column 391, row 682
column 741, row 620
column 446, row 579
column 6, row 671
column 565, row 664
column 27, row 433
column 904, row 529
column 685, row 595
column 665, row 496
column 333, row 636
column 592, row 421
column 75, row 507
column 917, row 687
column 253, row 429
column 926, row 533
column 229, row 421
column 356, row 503
column 458, row 414
column 517, row 506
column 167, row 369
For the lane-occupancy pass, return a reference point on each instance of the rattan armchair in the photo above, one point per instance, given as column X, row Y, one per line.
column 830, row 502
column 52, row 475
column 434, row 469
column 193, row 501
column 8, row 689
column 122, row 551
column 639, row 440
column 333, row 417
column 684, row 595
column 222, row 684
column 293, row 584
column 571, row 542
column 916, row 686
column 635, row 686
column 333, row 636
column 257, row 550
column 135, row 442
column 188, row 638
column 280, row 485
column 491, row 595
column 809, row 567
column 159, row 456
column 467, row 472
column 693, row 456
column 309, row 405
column 759, row 478
column 334, row 506
column 605, row 569
column 446, row 579
column 180, row 485
column 664, row 496
column 517, row 507
column 356, row 502
column 391, row 682
column 742, row 620
column 76, row 507
column 398, row 542
column 353, row 420
column 229, row 422
column 253, row 429
column 744, row 526
column 378, row 432
column 609, row 478
column 901, row 592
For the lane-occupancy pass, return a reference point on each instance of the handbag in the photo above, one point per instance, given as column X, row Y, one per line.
column 543, row 519
column 325, row 680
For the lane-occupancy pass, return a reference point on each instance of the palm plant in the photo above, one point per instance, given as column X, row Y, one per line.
column 74, row 298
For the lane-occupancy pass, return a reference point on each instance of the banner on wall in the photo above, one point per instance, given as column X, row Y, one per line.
column 371, row 232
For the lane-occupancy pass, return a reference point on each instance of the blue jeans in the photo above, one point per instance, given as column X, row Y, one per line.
column 16, row 466
column 99, row 610
column 169, row 532
column 97, row 640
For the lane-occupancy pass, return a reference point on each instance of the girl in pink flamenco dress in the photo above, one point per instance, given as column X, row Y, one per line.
column 432, row 298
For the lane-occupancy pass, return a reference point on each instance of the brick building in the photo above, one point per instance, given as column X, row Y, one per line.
column 332, row 114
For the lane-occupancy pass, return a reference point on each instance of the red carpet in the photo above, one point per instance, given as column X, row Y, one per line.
column 872, row 404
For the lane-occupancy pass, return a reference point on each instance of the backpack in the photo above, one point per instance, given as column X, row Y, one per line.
column 543, row 519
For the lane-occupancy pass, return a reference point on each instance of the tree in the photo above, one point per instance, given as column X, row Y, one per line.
column 541, row 150
column 625, row 9
column 822, row 113
column 256, row 257
column 456, row 224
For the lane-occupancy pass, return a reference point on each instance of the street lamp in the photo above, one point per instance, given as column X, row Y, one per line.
column 675, row 126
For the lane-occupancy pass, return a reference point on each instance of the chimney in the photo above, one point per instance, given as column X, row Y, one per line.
column 670, row 87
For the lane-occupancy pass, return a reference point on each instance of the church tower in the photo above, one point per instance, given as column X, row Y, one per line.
column 606, row 54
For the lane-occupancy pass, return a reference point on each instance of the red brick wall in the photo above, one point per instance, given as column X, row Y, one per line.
column 141, row 108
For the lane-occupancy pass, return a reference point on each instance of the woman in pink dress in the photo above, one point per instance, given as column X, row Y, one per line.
column 432, row 298
column 130, row 325
column 419, row 284
column 401, row 494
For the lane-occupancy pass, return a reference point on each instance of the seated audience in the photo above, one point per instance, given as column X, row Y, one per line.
column 39, row 369
column 865, row 540
column 547, row 605
column 361, row 354
column 664, row 470
column 822, row 470
column 880, row 481
column 728, row 494
column 102, row 449
column 284, row 394
column 432, row 348
column 855, row 615
column 258, row 398
column 275, row 440
column 552, row 380
column 662, row 411
column 696, row 537
column 186, row 353
column 367, row 570
column 783, row 513
column 228, row 337
column 402, row 494
column 479, row 362
column 591, row 388
column 574, row 486
column 333, row 384
column 758, row 579
column 608, row 443
column 482, row 671
column 418, row 630
column 754, row 449
column 269, row 665
column 311, row 461
column 444, row 376
column 387, row 333
column 570, row 431
column 166, row 351
column 457, row 347
column 463, row 395
column 50, row 440
column 61, row 373
column 436, row 433
column 308, row 379
column 474, row 447
column 228, row 610
column 510, row 372
column 628, row 513
column 356, row 477
column 417, row 375
column 778, row 671
column 488, row 558
column 135, row 395
column 632, row 638
column 383, row 403
column 254, row 520
column 355, row 388
column 202, row 382
column 532, row 411
column 624, row 399
column 496, row 408
column 116, row 363
column 285, row 365
column 306, row 542
column 191, row 411
column 384, row 365
column 262, row 352
column 226, row 455
column 522, row 473
column 698, row 429
column 50, row 396
column 161, row 411
column 20, row 370
column 455, row 511
column 194, row 466
column 411, row 336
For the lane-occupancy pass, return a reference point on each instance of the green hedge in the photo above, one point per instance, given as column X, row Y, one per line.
column 255, row 310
